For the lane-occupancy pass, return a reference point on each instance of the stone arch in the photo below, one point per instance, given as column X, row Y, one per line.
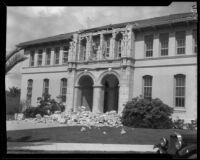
column 108, row 73
column 84, row 74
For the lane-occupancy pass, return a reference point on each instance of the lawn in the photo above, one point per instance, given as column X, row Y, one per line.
column 72, row 134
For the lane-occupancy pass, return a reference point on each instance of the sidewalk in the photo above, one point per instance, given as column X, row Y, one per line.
column 83, row 147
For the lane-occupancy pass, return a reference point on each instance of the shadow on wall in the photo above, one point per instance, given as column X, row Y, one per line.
column 26, row 139
column 12, row 104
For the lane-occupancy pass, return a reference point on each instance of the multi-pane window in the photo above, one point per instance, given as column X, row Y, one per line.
column 95, row 46
column 107, row 45
column 56, row 55
column 179, row 90
column 164, row 40
column 63, row 89
column 119, row 49
column 65, row 54
column 39, row 61
column 32, row 54
column 147, row 90
column 48, row 56
column 180, row 42
column 82, row 56
column 29, row 90
column 148, row 45
column 46, row 86
column 195, row 41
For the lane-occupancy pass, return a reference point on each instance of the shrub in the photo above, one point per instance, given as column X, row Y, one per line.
column 192, row 125
column 30, row 112
column 147, row 114
column 178, row 124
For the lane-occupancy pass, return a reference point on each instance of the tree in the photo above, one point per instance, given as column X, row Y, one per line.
column 14, row 58
column 13, row 92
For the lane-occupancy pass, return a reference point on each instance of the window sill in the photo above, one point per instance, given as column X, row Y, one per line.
column 178, row 110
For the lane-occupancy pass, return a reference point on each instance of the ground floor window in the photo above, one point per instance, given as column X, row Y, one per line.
column 29, row 90
column 179, row 90
column 63, row 89
column 147, row 87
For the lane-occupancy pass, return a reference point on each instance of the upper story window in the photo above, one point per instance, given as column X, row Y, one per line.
column 107, row 39
column 147, row 87
column 56, row 55
column 63, row 89
column 148, row 45
column 164, row 40
column 179, row 90
column 65, row 54
column 32, row 54
column 82, row 56
column 118, row 45
column 180, row 42
column 39, row 61
column 195, row 41
column 29, row 90
column 95, row 45
column 46, row 86
column 48, row 56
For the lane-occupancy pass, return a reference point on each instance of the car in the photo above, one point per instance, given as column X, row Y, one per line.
column 178, row 146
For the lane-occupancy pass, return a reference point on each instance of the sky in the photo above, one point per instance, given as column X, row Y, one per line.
column 29, row 23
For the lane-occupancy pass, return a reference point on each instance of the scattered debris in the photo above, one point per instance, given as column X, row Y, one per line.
column 81, row 117
column 19, row 116
column 83, row 129
column 123, row 131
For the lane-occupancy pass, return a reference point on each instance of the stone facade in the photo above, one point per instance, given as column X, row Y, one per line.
column 105, row 75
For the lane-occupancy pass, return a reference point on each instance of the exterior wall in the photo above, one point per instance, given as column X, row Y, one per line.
column 129, row 70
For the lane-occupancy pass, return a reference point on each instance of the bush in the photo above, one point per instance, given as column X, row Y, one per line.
column 147, row 114
column 178, row 124
column 45, row 104
column 12, row 105
column 192, row 125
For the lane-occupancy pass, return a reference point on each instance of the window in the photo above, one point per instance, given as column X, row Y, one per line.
column 118, row 45
column 29, row 90
column 65, row 54
column 39, row 62
column 179, row 90
column 195, row 41
column 95, row 46
column 46, row 86
column 164, row 39
column 48, row 56
column 180, row 42
column 148, row 46
column 147, row 91
column 32, row 58
column 57, row 55
column 82, row 56
column 63, row 90
column 107, row 45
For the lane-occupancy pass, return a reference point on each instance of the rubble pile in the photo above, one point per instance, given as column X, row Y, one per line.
column 82, row 117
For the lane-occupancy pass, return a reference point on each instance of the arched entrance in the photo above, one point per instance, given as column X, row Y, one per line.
column 86, row 92
column 111, row 93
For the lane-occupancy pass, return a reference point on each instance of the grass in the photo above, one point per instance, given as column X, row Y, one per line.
column 72, row 134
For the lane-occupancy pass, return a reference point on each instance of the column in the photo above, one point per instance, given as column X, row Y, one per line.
column 130, row 37
column 88, row 46
column 112, row 46
column 101, row 47
column 77, row 97
column 43, row 56
column 52, row 56
column 97, row 99
column 172, row 44
column 156, row 45
column 79, row 49
column 35, row 57
column 124, row 42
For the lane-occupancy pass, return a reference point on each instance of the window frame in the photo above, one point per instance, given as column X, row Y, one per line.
column 56, row 55
column 32, row 58
column 29, row 92
column 145, row 45
column 61, row 89
column 65, row 52
column 40, row 57
column 160, row 44
column 176, row 40
column 175, row 91
column 45, row 87
column 48, row 59
column 143, row 86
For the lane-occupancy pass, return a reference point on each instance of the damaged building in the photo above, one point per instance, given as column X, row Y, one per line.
column 104, row 67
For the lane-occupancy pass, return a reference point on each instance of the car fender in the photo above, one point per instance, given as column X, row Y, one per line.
column 188, row 150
